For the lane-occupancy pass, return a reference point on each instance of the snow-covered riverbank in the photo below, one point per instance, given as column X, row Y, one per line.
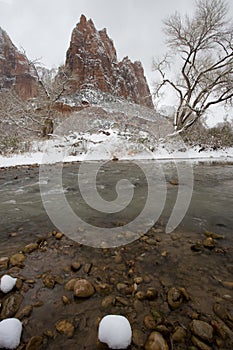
column 107, row 145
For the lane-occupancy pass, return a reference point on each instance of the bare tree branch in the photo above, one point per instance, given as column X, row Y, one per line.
column 203, row 52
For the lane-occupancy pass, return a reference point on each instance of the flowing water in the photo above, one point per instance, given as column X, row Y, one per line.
column 22, row 210
column 161, row 260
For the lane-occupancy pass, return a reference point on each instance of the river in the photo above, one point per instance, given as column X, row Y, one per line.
column 22, row 211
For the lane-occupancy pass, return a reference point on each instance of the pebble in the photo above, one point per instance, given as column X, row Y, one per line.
column 174, row 182
column 200, row 344
column 69, row 286
column 65, row 300
column 118, row 259
column 109, row 300
column 83, row 289
column 202, row 330
column 156, row 342
column 103, row 288
column 121, row 286
column 138, row 280
column 11, row 305
column 30, row 248
column 25, row 312
column 4, row 263
column 140, row 295
column 87, row 268
column 17, row 259
column 174, row 298
column 149, row 322
column 180, row 334
column 65, row 327
column 59, row 235
column 76, row 265
column 138, row 338
column 209, row 243
column 49, row 281
column 151, row 294
column 213, row 235
column 122, row 300
column 34, row 343
column 138, row 305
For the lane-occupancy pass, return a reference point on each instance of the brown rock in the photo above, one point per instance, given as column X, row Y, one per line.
column 149, row 322
column 87, row 268
column 4, row 263
column 49, row 281
column 65, row 327
column 151, row 294
column 156, row 342
column 103, row 288
column 174, row 298
column 197, row 342
column 109, row 300
column 202, row 329
column 25, row 312
column 70, row 284
column 30, row 248
column 65, row 300
column 59, row 235
column 138, row 338
column 75, row 266
column 17, row 259
column 19, row 283
column 209, row 243
column 91, row 61
column 11, row 305
column 83, row 289
column 179, row 335
column 34, row 343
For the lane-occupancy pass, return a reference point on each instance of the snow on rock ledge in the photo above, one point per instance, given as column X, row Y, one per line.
column 115, row 331
column 10, row 333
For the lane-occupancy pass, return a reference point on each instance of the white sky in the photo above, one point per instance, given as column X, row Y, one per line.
column 43, row 27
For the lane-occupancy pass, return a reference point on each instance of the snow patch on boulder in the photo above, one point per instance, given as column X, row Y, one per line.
column 7, row 283
column 10, row 333
column 115, row 331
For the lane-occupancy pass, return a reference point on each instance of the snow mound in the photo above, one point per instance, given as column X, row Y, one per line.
column 7, row 283
column 10, row 333
column 115, row 331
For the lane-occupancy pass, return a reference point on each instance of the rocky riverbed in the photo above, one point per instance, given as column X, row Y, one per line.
column 176, row 290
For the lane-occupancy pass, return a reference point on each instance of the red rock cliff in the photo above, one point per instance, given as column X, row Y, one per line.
column 14, row 69
column 91, row 61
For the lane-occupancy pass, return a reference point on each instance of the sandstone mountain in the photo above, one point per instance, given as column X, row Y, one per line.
column 91, row 61
column 15, row 70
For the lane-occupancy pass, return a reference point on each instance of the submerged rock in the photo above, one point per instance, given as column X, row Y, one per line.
column 65, row 327
column 202, row 329
column 4, row 263
column 83, row 289
column 174, row 298
column 34, row 343
column 11, row 305
column 156, row 342
column 17, row 259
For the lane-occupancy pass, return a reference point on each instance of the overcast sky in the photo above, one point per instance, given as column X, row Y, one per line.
column 43, row 27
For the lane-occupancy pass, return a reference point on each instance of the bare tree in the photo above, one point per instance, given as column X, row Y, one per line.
column 36, row 115
column 201, row 48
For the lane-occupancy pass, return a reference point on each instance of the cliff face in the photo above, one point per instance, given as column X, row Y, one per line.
column 91, row 61
column 15, row 71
